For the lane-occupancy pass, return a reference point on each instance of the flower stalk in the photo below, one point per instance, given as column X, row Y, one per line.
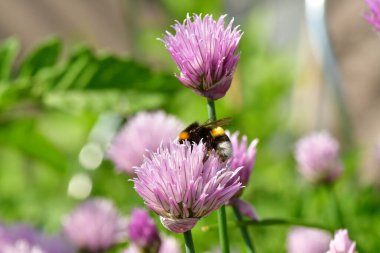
column 223, row 235
column 211, row 109
column 189, row 244
column 337, row 208
column 222, row 220
column 244, row 230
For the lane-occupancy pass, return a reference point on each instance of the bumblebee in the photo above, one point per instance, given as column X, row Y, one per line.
column 212, row 134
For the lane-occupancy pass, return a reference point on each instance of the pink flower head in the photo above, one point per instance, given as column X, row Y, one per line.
column 168, row 245
column 142, row 231
column 373, row 16
column 243, row 157
column 21, row 247
column 342, row 243
column 318, row 157
column 145, row 131
column 205, row 52
column 307, row 240
column 21, row 238
column 181, row 188
column 95, row 225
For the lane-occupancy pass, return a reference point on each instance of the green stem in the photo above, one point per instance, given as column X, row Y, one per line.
column 272, row 222
column 223, row 235
column 211, row 109
column 244, row 230
column 337, row 208
column 222, row 220
column 189, row 244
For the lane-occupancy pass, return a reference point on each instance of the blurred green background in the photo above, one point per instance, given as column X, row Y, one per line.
column 62, row 100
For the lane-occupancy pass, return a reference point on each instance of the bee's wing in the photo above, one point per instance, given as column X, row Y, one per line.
column 216, row 123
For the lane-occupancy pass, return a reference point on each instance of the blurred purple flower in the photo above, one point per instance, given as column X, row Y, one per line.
column 132, row 248
column 243, row 157
column 177, row 185
column 17, row 232
column 56, row 244
column 142, row 230
column 168, row 245
column 20, row 238
column 307, row 240
column 373, row 16
column 342, row 243
column 245, row 208
column 145, row 131
column 95, row 225
column 205, row 53
column 377, row 150
column 21, row 246
column 318, row 157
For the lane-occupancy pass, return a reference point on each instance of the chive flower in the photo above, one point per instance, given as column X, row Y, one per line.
column 143, row 232
column 178, row 185
column 342, row 243
column 145, row 131
column 205, row 52
column 243, row 157
column 373, row 16
column 144, row 236
column 21, row 247
column 21, row 238
column 377, row 150
column 317, row 156
column 95, row 225
column 168, row 244
column 310, row 240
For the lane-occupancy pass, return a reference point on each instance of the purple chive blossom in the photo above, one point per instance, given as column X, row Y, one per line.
column 168, row 244
column 142, row 230
column 95, row 225
column 318, row 157
column 205, row 52
column 144, row 235
column 373, row 16
column 17, row 232
column 243, row 156
column 22, row 238
column 143, row 132
column 21, row 247
column 310, row 240
column 177, row 185
column 377, row 150
column 342, row 243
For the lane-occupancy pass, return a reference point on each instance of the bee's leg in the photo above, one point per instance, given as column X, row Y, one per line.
column 206, row 156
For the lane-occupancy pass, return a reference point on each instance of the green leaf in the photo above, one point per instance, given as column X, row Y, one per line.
column 72, row 68
column 23, row 136
column 8, row 51
column 86, row 70
column 122, row 73
column 44, row 56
